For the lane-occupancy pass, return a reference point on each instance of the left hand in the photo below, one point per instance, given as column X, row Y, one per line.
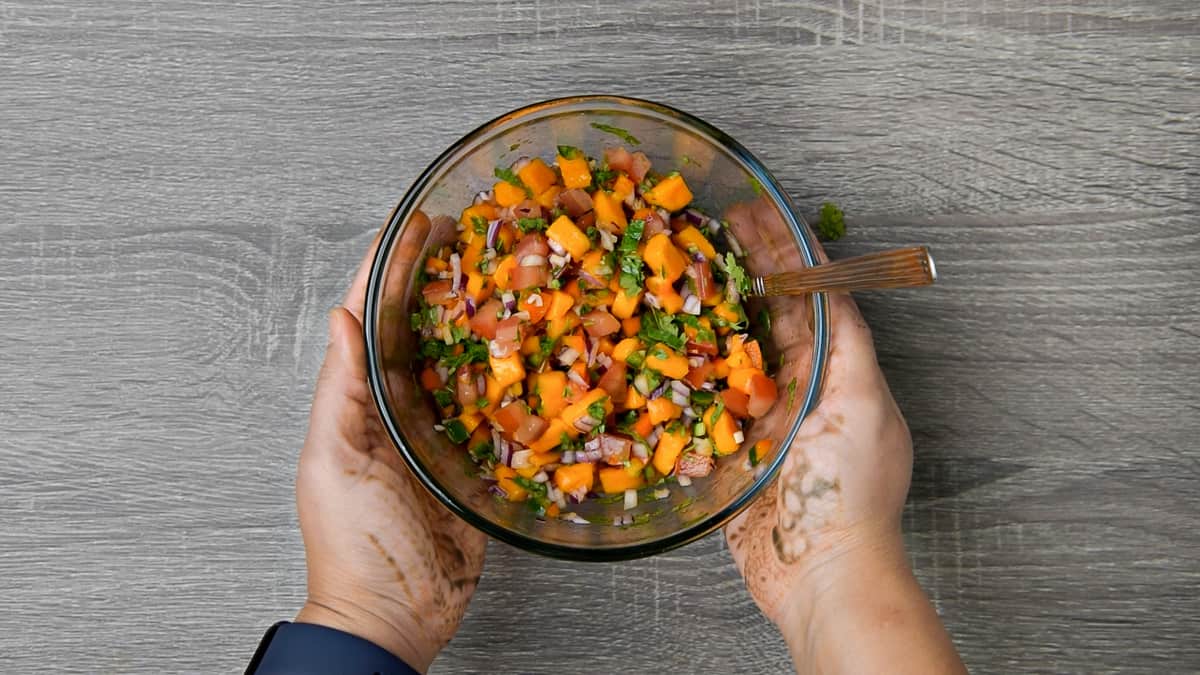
column 386, row 562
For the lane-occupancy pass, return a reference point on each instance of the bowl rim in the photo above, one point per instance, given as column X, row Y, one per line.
column 692, row 531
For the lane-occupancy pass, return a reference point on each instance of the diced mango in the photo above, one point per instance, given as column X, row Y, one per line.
column 662, row 359
column 631, row 326
column 722, row 432
column 537, row 176
column 671, row 193
column 626, row 347
column 549, row 387
column 570, row 237
column 575, row 171
column 504, row 270
column 663, row 258
column 670, row 301
column 482, row 210
column 504, row 478
column 560, row 304
column 508, row 194
column 691, row 238
column 622, row 187
column 579, row 409
column 617, row 479
column 556, row 328
column 738, row 360
column 634, row 398
column 470, row 420
column 670, row 446
column 508, row 370
column 624, row 305
column 609, row 210
column 579, row 477
column 662, row 409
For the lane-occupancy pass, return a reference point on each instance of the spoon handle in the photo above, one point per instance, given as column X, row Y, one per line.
column 901, row 268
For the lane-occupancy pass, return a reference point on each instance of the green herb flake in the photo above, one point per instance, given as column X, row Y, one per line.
column 474, row 351
column 569, row 152
column 702, row 399
column 616, row 131
column 791, row 393
column 527, row 225
column 754, row 458
column 737, row 273
column 479, row 225
column 443, row 397
column 596, row 410
column 658, row 327
column 456, row 431
column 831, row 222
column 718, row 410
column 538, row 501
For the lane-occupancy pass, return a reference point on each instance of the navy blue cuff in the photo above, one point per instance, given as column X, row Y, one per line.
column 309, row 649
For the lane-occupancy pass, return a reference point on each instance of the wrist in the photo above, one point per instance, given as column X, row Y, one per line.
column 403, row 636
column 839, row 577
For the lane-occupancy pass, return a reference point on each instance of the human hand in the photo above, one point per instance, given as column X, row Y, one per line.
column 385, row 561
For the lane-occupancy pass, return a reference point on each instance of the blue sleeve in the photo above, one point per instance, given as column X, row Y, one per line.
column 305, row 648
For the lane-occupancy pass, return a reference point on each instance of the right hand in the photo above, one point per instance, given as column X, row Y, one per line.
column 842, row 488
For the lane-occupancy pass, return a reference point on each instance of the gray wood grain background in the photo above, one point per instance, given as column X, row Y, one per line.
column 185, row 188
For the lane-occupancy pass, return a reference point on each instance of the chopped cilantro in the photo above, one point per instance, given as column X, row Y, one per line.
column 545, row 346
column 616, row 131
column 474, row 351
column 434, row 349
column 569, row 152
column 510, row 176
column 532, row 224
column 754, row 458
column 602, row 176
column 658, row 327
column 661, row 354
column 424, row 317
column 456, row 431
column 596, row 410
column 791, row 393
column 737, row 274
column 479, row 225
column 482, row 450
column 636, row 359
column 831, row 223
column 555, row 284
column 566, row 443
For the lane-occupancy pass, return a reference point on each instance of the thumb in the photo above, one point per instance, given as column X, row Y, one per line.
column 343, row 376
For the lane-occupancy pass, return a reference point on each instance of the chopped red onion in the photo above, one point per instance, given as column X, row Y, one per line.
column 652, row 300
column 641, row 451
column 498, row 491
column 470, row 307
column 590, row 344
column 505, row 453
column 456, row 271
column 586, row 424
column 698, row 256
column 509, row 300
column 656, row 434
column 607, row 240
column 520, row 164
column 482, row 196
column 665, row 215
column 708, row 386
column 520, row 459
column 734, row 244
column 691, row 305
column 679, row 399
column 557, row 260
column 696, row 361
column 714, row 226
column 533, row 260
column 556, row 247
column 568, row 457
column 492, row 232
column 480, row 384
column 591, row 280
column 658, row 391
column 603, row 360
column 694, row 217
column 631, row 499
column 572, row 517
column 679, row 386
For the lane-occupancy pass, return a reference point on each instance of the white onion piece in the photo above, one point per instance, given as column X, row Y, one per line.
column 520, row 459
column 481, row 385
column 695, row 361
column 692, row 305
column 540, row 477
column 520, row 164
column 586, row 424
column 702, row 446
column 652, row 300
column 681, row 387
column 739, row 437
column 533, row 260
column 679, row 399
column 641, row 451
column 575, row 377
column 559, row 260
column 573, row 517
column 456, row 271
column 684, row 481
column 483, row 196
column 535, row 299
column 607, row 240
column 641, row 384
column 439, row 428
column 603, row 359
column 556, row 247
column 630, row 499
column 568, row 356
column 568, row 457
column 662, row 493
column 734, row 244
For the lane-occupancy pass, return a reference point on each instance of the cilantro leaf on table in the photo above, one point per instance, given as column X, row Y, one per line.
column 831, row 222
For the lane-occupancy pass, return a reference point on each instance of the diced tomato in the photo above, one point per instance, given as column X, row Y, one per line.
column 615, row 449
column 531, row 428
column 694, row 465
column 527, row 209
column 524, row 277
column 533, row 243
column 698, row 375
column 510, row 418
column 701, row 276
column 736, row 403
column 464, row 387
column 486, row 318
column 613, row 382
column 575, row 202
column 440, row 292
column 599, row 323
column 639, row 166
column 508, row 337
column 763, row 394
column 618, row 158
column 430, row 380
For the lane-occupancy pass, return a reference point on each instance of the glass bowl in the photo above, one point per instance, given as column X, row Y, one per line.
column 728, row 181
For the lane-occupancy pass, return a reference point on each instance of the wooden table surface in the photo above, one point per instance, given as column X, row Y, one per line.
column 185, row 188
